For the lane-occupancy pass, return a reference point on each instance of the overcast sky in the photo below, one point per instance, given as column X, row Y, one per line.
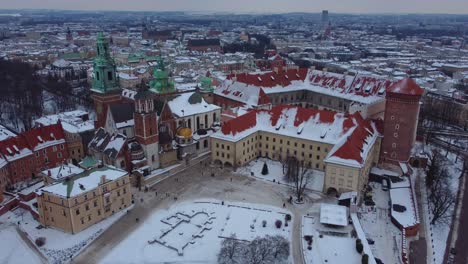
column 276, row 6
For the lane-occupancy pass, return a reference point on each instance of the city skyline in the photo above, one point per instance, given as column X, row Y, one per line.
column 244, row 6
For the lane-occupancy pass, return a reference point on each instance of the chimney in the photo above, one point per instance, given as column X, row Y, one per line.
column 49, row 173
column 103, row 179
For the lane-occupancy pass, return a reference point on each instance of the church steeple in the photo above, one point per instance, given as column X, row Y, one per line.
column 161, row 83
column 146, row 126
column 69, row 35
column 105, row 88
column 105, row 77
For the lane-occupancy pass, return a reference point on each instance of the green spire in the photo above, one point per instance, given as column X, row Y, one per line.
column 161, row 82
column 206, row 84
column 105, row 77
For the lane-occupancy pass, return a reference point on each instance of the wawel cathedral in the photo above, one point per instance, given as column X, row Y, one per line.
column 152, row 127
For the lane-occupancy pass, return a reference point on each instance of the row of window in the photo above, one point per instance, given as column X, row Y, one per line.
column 341, row 172
column 205, row 144
column 54, row 149
column 340, row 182
column 228, row 156
column 267, row 138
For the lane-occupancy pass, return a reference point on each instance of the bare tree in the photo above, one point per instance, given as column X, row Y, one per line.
column 231, row 251
column 297, row 172
column 259, row 251
column 441, row 198
column 280, row 248
column 265, row 250
column 433, row 171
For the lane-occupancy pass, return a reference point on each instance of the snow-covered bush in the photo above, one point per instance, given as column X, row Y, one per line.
column 278, row 224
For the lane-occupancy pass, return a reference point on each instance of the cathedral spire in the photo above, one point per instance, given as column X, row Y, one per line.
column 161, row 83
column 104, row 68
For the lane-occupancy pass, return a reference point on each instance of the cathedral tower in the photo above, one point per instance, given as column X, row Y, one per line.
column 146, row 126
column 105, row 88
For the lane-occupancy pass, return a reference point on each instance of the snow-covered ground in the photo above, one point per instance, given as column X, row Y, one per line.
column 378, row 226
column 335, row 245
column 166, row 232
column 59, row 246
column 13, row 249
column 275, row 173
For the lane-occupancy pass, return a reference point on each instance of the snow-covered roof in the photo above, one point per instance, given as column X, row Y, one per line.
column 73, row 121
column 191, row 103
column 403, row 197
column 6, row 133
column 332, row 214
column 63, row 171
column 84, row 182
column 351, row 135
column 250, row 95
column 363, row 88
column 383, row 172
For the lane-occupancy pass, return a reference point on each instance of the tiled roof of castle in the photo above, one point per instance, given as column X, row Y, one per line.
column 360, row 88
column 45, row 136
column 271, row 78
column 15, row 148
column 354, row 148
column 24, row 144
column 351, row 135
column 244, row 93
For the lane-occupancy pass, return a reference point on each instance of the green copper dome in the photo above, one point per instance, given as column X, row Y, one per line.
column 206, row 84
column 160, row 82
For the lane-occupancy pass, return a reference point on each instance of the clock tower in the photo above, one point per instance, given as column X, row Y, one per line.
column 105, row 87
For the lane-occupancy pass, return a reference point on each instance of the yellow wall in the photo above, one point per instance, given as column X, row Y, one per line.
column 77, row 213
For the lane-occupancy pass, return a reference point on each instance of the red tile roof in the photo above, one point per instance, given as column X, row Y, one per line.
column 240, row 123
column 354, row 145
column 406, row 86
column 44, row 134
column 271, row 79
column 12, row 146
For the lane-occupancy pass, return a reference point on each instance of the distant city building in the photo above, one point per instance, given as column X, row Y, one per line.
column 204, row 45
column 325, row 19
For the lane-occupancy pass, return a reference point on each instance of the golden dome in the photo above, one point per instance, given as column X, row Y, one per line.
column 184, row 132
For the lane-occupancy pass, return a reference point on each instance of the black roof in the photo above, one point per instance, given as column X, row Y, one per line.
column 203, row 42
column 158, row 105
column 122, row 112
column 99, row 140
column 165, row 138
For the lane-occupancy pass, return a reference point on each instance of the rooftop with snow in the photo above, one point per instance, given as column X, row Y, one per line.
column 85, row 181
column 351, row 135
